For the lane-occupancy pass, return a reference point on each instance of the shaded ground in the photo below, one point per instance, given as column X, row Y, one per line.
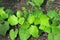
column 42, row 37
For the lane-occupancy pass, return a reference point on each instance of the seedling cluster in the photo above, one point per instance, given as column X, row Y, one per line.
column 30, row 22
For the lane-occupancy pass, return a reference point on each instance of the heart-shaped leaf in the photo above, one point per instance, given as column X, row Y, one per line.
column 19, row 14
column 33, row 30
column 13, row 20
column 13, row 34
column 24, row 34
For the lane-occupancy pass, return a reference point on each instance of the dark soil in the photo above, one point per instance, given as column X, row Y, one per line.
column 42, row 37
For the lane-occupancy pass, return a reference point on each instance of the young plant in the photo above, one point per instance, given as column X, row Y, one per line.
column 13, row 34
column 13, row 20
column 27, row 22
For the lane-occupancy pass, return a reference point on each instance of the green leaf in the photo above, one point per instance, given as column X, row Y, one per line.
column 9, row 12
column 44, row 20
column 57, row 37
column 25, row 25
column 42, row 27
column 57, row 18
column 45, row 29
column 37, row 12
column 1, row 18
column 38, row 2
column 2, row 10
column 19, row 14
column 31, row 3
column 31, row 19
column 4, row 28
column 37, row 21
column 21, row 20
column 33, row 30
column 24, row 9
column 59, row 12
column 55, row 31
column 13, row 20
column 13, row 34
column 2, row 21
column 52, row 13
column 50, row 36
column 58, row 26
column 4, row 15
column 24, row 34
column 25, row 12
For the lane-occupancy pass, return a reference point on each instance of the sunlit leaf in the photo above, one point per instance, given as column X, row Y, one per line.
column 25, row 25
column 24, row 34
column 1, row 10
column 31, row 19
column 42, row 27
column 37, row 21
column 21, row 20
column 33, row 30
column 19, row 14
column 13, row 20
column 4, row 15
column 44, row 20
column 13, row 34
column 45, row 29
